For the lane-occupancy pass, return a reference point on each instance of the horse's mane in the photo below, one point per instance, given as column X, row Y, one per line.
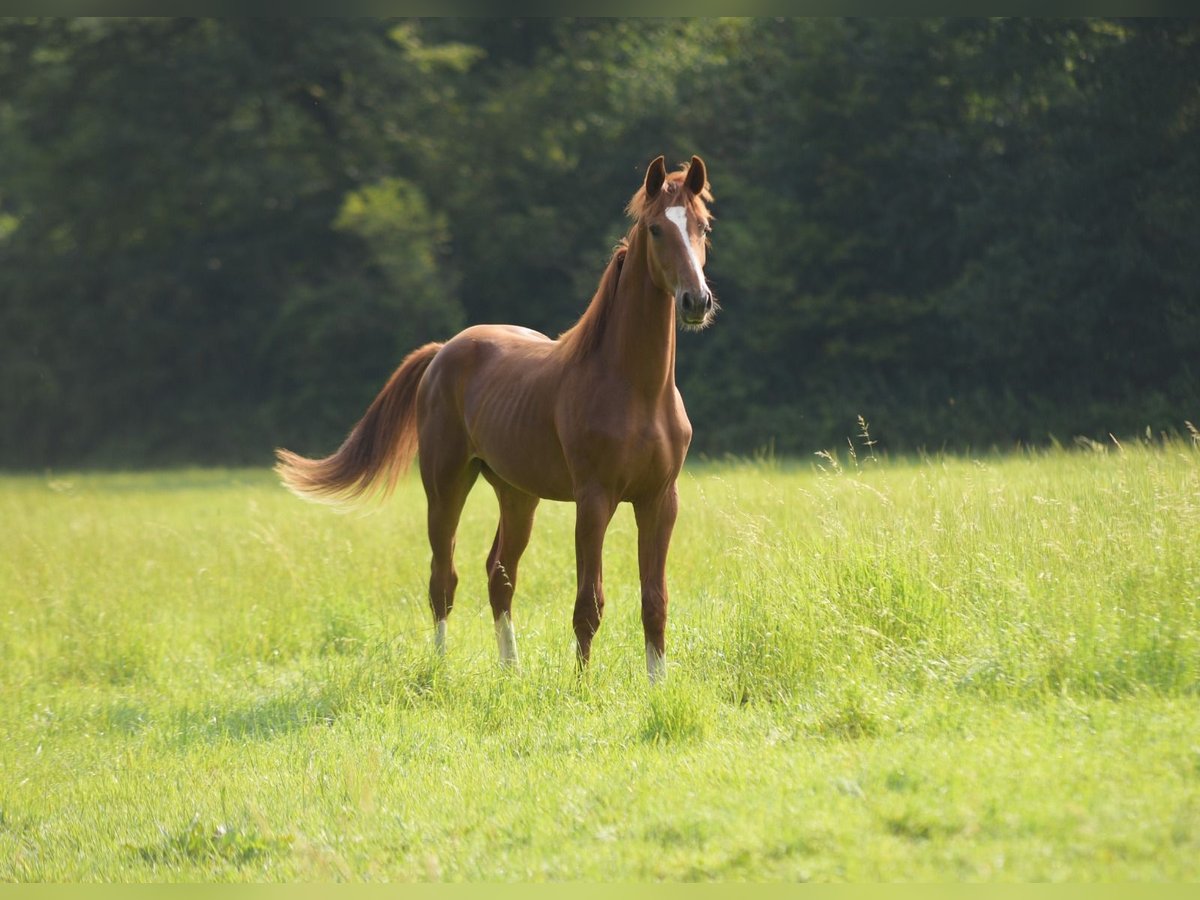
column 584, row 336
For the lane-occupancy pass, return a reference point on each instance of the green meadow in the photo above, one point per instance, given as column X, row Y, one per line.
column 933, row 669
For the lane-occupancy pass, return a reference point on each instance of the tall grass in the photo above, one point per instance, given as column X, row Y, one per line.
column 1009, row 577
column 878, row 669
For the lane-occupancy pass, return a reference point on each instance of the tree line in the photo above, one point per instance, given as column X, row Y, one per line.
column 220, row 236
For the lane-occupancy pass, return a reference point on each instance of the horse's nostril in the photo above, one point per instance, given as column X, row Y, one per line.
column 688, row 301
column 708, row 303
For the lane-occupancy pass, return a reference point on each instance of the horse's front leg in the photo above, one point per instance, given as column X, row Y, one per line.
column 594, row 509
column 655, row 521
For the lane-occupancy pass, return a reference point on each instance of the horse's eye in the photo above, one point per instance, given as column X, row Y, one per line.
column 656, row 230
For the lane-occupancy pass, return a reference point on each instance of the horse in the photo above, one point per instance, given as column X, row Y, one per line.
column 593, row 417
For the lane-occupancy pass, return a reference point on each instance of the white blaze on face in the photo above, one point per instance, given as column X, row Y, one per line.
column 656, row 664
column 506, row 640
column 439, row 637
column 678, row 215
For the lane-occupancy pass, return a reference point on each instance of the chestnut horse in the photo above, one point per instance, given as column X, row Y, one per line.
column 593, row 417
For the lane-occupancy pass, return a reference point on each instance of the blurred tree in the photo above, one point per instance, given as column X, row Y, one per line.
column 976, row 231
column 218, row 236
column 1081, row 235
column 173, row 188
column 836, row 221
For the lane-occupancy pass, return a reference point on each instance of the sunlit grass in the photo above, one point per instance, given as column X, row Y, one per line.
column 935, row 669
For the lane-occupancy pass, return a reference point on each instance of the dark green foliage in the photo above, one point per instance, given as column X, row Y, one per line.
column 221, row 236
column 176, row 275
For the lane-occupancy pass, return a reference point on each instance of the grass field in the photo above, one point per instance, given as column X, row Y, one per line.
column 942, row 669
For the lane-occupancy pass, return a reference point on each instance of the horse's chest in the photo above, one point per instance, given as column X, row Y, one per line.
column 664, row 436
column 633, row 443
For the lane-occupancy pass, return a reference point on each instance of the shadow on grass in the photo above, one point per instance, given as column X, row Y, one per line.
column 335, row 691
column 262, row 719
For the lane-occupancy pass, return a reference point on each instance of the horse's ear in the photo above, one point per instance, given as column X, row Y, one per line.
column 697, row 176
column 656, row 174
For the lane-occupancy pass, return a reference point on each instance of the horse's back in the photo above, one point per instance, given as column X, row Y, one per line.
column 501, row 335
column 489, row 353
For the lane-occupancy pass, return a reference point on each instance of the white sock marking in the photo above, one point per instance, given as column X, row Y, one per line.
column 506, row 640
column 678, row 215
column 439, row 637
column 656, row 664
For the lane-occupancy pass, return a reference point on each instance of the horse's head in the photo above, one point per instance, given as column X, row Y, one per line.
column 671, row 209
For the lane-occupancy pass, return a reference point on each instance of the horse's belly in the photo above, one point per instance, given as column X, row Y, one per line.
column 526, row 454
column 534, row 470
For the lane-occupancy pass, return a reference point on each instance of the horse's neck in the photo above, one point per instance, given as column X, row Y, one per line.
column 640, row 339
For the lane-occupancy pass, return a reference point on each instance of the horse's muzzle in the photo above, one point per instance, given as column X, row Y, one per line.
column 695, row 308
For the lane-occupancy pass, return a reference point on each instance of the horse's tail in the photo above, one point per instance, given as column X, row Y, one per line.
column 377, row 451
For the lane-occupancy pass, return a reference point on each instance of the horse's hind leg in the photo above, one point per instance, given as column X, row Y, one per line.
column 512, row 537
column 446, row 488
